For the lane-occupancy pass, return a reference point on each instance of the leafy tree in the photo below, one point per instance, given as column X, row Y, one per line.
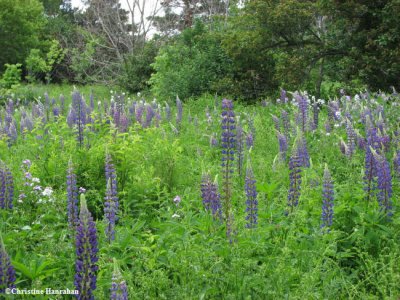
column 38, row 64
column 21, row 22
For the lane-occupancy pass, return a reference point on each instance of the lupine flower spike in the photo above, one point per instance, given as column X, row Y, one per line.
column 228, row 143
column 119, row 290
column 111, row 199
column 384, row 183
column 295, row 178
column 211, row 196
column 327, row 200
column 6, row 187
column 7, row 272
column 86, row 254
column 251, row 198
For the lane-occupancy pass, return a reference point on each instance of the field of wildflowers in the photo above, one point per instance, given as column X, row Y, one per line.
column 129, row 198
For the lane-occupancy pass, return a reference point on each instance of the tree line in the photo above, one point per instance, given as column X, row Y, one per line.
column 247, row 49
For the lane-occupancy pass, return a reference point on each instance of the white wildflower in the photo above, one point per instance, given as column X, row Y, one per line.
column 48, row 191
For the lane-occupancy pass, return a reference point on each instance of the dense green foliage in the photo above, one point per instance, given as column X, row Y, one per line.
column 21, row 22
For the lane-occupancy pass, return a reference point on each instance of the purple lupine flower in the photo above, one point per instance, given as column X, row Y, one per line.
column 295, row 165
column 213, row 140
column 228, row 143
column 10, row 106
column 327, row 200
column 384, row 140
column 384, row 183
column 334, row 112
column 26, row 123
column 283, row 146
column 178, row 112
column 303, row 111
column 111, row 200
column 139, row 109
column 360, row 140
column 56, row 111
column 167, row 112
column 124, row 123
column 276, row 122
column 119, row 290
column 86, row 254
column 211, row 196
column 7, row 271
column 239, row 148
column 149, row 116
column 72, row 196
column 251, row 198
column 370, row 163
column 6, row 187
column 303, row 151
column 283, row 96
column 249, row 140
column 12, row 132
column 311, row 125
column 71, row 118
column 351, row 139
column 79, row 106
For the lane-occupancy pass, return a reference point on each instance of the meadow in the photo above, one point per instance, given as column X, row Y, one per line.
column 127, row 197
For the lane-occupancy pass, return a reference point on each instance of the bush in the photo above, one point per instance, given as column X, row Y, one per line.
column 11, row 76
column 190, row 66
column 10, row 80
